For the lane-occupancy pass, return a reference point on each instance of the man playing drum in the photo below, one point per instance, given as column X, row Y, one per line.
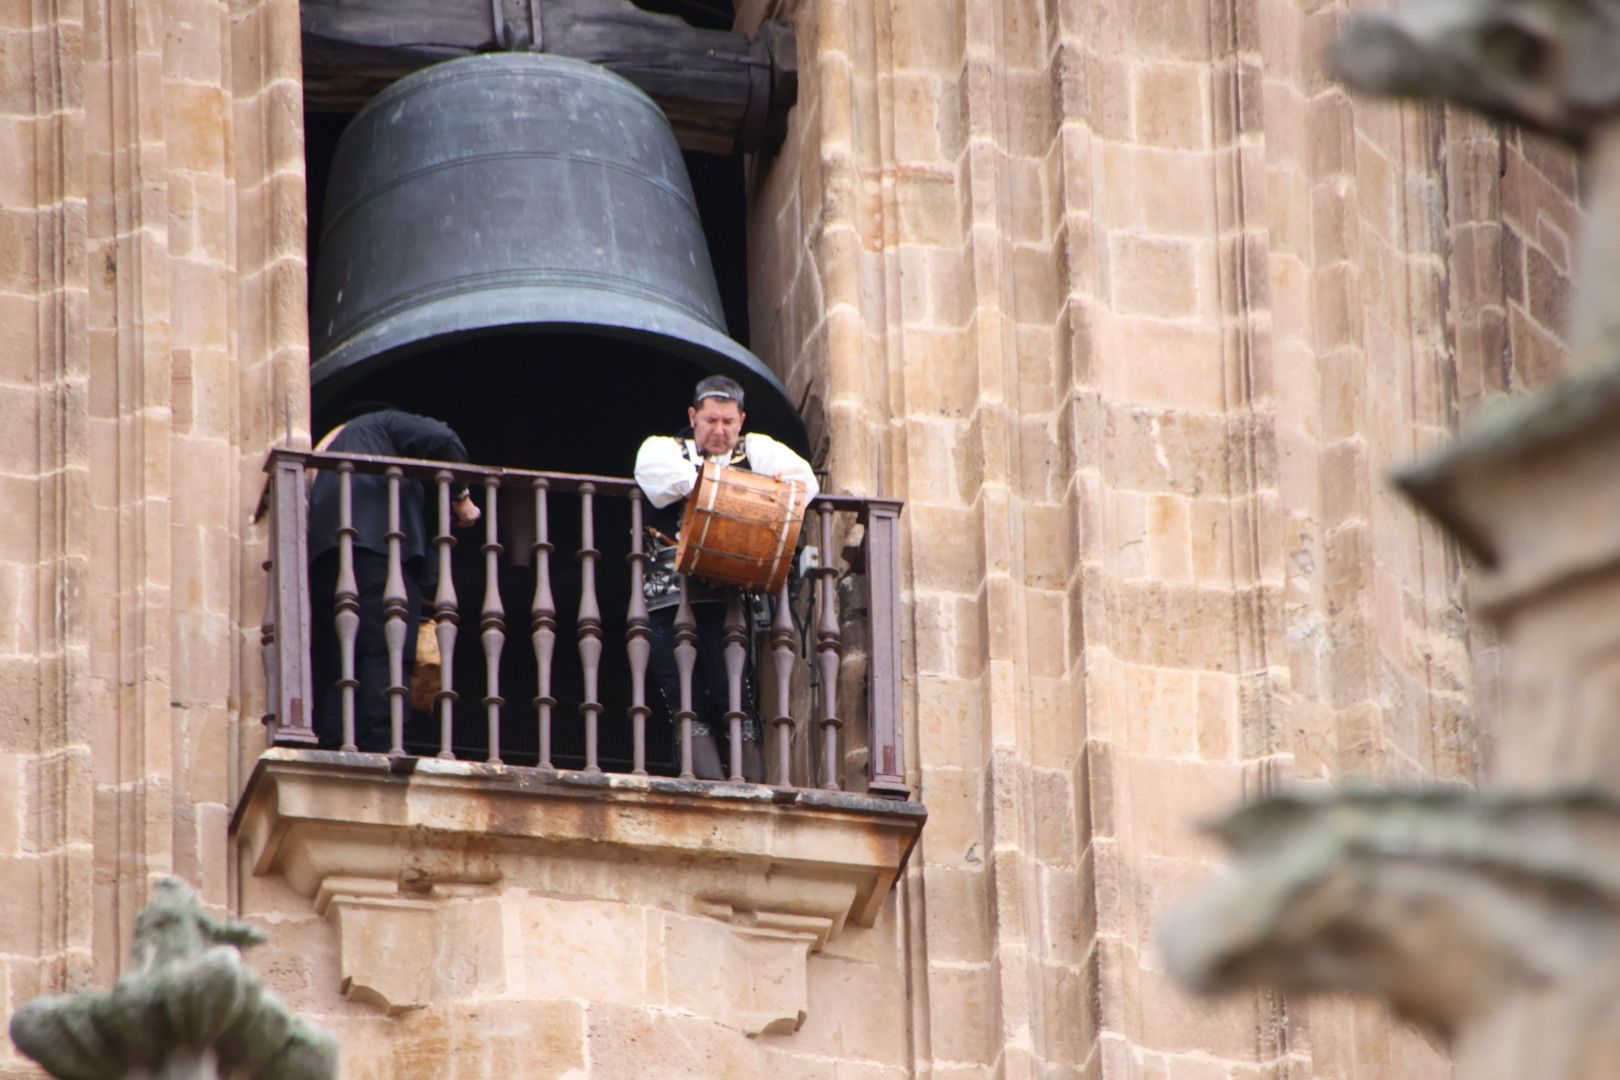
column 667, row 470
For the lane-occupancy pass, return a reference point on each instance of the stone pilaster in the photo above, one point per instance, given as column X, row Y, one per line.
column 132, row 461
column 45, row 470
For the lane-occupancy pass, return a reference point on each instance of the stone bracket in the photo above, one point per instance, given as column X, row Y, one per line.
column 773, row 978
column 383, row 943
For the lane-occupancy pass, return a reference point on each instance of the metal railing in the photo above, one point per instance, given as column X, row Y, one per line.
column 805, row 686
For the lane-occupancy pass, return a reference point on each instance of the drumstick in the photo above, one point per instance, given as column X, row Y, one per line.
column 660, row 537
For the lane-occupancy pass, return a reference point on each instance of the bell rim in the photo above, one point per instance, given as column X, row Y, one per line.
column 555, row 310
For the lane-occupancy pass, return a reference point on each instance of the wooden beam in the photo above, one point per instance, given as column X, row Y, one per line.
column 723, row 92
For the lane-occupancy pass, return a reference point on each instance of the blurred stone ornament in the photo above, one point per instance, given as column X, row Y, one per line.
column 188, row 1009
column 1492, row 920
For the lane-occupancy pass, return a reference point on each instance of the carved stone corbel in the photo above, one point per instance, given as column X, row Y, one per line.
column 766, row 989
column 386, row 943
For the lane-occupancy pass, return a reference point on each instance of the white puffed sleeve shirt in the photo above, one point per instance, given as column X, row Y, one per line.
column 667, row 466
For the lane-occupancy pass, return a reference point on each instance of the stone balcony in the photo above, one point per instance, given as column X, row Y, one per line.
column 537, row 850
column 520, row 874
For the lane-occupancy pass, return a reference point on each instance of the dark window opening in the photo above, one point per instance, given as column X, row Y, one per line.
column 703, row 14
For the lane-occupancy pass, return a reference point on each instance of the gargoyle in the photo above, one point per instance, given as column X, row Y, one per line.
column 188, row 1006
column 1494, row 920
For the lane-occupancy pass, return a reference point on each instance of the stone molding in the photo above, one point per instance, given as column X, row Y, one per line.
column 737, row 884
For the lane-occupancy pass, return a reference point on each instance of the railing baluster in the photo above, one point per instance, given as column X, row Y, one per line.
column 543, row 619
column 685, row 660
column 783, row 641
column 888, row 761
column 346, row 602
column 493, row 625
column 447, row 615
column 736, row 656
column 395, row 612
column 829, row 651
column 289, row 524
column 590, row 621
column 267, row 654
column 638, row 641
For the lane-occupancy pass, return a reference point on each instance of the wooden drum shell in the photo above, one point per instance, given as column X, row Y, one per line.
column 740, row 528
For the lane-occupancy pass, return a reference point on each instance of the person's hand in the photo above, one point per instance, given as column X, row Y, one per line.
column 466, row 511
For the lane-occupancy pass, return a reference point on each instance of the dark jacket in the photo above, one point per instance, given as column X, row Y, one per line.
column 389, row 433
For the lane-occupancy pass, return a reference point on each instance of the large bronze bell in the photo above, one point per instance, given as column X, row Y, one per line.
column 516, row 229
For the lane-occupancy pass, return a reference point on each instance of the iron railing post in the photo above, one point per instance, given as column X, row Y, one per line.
column 289, row 524
column 888, row 760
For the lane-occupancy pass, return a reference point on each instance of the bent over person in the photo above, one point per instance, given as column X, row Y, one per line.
column 385, row 432
column 667, row 468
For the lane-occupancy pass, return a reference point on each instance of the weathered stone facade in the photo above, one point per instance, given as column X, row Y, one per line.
column 1130, row 303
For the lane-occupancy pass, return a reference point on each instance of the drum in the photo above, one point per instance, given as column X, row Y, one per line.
column 740, row 528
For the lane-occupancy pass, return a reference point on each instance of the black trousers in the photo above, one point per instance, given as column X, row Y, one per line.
column 711, row 734
column 371, row 727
